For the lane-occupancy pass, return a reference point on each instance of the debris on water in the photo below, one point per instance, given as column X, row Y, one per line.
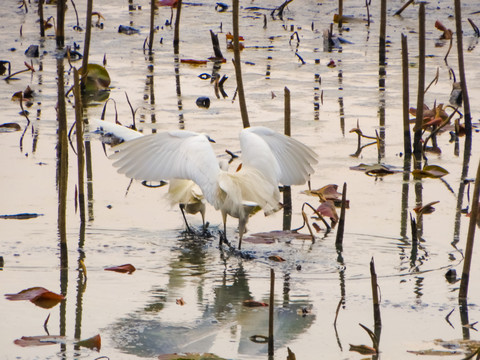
column 203, row 102
column 32, row 51
column 21, row 216
column 128, row 30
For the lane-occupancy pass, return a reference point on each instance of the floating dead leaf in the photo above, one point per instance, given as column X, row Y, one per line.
column 93, row 343
column 190, row 356
column 18, row 96
column 274, row 236
column 327, row 192
column 433, row 352
column 26, row 341
column 253, row 303
column 327, row 209
column 97, row 78
column 229, row 36
column 276, row 258
column 375, row 169
column 180, row 301
column 430, row 171
column 331, row 64
column 426, row 209
column 125, row 268
column 363, row 349
column 10, row 127
column 447, row 33
column 193, row 61
column 37, row 295
column 171, row 3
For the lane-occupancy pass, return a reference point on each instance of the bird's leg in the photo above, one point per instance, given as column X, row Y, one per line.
column 182, row 207
column 242, row 225
column 223, row 237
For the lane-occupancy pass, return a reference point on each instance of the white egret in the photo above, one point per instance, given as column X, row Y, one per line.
column 268, row 158
column 183, row 192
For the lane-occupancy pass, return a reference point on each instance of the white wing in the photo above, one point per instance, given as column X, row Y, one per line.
column 170, row 155
column 292, row 159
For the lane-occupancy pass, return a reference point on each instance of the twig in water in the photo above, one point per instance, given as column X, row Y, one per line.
column 301, row 59
column 475, row 27
column 398, row 12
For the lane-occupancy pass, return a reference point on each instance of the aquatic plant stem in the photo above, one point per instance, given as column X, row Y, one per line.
column 176, row 34
column 152, row 25
column 383, row 29
column 287, row 191
column 467, row 261
column 407, row 141
column 238, row 67
column 340, row 13
column 376, row 302
column 80, row 148
column 461, row 69
column 86, row 43
column 341, row 221
column 270, row 313
column 417, row 145
column 60, row 31
column 41, row 18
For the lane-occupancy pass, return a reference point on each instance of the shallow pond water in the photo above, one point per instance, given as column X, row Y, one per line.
column 137, row 315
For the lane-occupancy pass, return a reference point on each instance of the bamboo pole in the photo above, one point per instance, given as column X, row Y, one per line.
column 383, row 29
column 176, row 34
column 341, row 222
column 41, row 18
column 238, row 67
column 287, row 191
column 60, row 33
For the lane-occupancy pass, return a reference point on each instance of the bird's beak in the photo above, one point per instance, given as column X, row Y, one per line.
column 210, row 139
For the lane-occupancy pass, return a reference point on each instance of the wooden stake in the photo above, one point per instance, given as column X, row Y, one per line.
column 341, row 222
column 287, row 191
column 152, row 27
column 86, row 46
column 40, row 14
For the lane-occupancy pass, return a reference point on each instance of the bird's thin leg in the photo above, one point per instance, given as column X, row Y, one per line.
column 223, row 237
column 182, row 207
column 242, row 223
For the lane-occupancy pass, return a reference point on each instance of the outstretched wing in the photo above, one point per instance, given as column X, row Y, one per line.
column 293, row 160
column 169, row 155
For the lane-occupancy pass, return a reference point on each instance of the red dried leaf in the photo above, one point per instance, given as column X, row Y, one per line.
column 229, row 36
column 253, row 303
column 37, row 295
column 171, row 3
column 327, row 209
column 426, row 209
column 126, row 268
column 193, row 61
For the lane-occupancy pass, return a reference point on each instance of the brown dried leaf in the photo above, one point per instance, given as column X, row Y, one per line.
column 193, row 61
column 276, row 258
column 42, row 340
column 126, row 268
column 37, row 295
column 327, row 209
column 363, row 349
column 253, row 303
column 94, row 342
column 426, row 209
column 180, row 301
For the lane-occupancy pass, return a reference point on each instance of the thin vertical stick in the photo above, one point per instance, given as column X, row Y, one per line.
column 461, row 69
column 42, row 20
column 80, row 147
column 383, row 29
column 407, row 142
column 376, row 302
column 340, row 13
column 470, row 239
column 152, row 24
column 341, row 222
column 86, row 48
column 417, row 145
column 270, row 313
column 60, row 34
column 238, row 67
column 287, row 191
column 176, row 35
